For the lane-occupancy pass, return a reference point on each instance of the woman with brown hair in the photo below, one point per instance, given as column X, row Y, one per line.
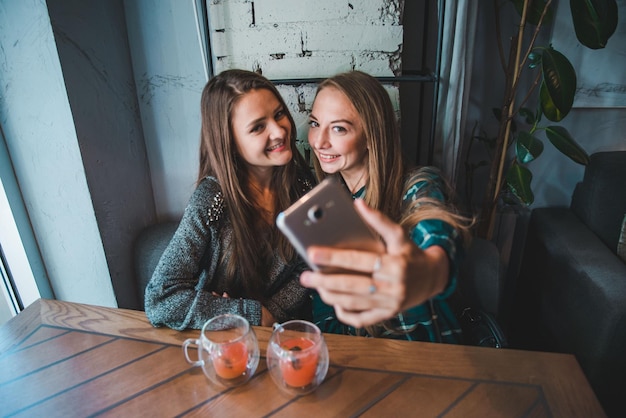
column 227, row 255
column 401, row 293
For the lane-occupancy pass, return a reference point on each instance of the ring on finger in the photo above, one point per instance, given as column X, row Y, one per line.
column 372, row 289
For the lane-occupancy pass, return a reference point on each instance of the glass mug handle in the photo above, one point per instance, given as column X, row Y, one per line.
column 186, row 345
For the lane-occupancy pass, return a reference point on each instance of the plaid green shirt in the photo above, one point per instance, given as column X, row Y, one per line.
column 432, row 321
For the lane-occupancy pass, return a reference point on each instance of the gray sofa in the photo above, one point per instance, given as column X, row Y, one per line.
column 571, row 290
column 149, row 246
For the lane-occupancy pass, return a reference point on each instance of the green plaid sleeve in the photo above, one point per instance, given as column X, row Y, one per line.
column 431, row 232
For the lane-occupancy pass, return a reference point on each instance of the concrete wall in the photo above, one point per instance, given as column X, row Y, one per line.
column 169, row 76
column 38, row 126
column 92, row 44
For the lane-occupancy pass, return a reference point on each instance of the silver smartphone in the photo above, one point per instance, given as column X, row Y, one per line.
column 326, row 216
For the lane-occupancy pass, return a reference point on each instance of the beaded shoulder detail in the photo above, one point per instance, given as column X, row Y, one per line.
column 214, row 199
column 306, row 184
column 216, row 207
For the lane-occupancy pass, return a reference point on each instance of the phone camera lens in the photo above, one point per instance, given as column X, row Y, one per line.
column 315, row 213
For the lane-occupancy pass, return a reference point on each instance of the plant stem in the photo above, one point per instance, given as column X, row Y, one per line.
column 497, row 166
column 509, row 116
column 531, row 45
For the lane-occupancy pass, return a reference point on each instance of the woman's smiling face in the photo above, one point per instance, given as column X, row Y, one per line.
column 261, row 129
column 336, row 135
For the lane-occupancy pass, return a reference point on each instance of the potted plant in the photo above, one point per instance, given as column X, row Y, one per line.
column 510, row 178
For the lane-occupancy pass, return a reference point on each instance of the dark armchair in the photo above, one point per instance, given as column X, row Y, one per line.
column 571, row 291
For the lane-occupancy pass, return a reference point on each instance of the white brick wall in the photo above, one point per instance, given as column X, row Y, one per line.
column 356, row 11
column 285, row 39
column 305, row 38
column 230, row 15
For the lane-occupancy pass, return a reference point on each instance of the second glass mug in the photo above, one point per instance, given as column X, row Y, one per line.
column 228, row 350
column 297, row 357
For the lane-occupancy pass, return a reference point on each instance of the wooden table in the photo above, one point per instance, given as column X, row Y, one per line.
column 68, row 359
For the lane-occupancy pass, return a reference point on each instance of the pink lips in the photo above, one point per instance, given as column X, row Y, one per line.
column 327, row 157
column 276, row 148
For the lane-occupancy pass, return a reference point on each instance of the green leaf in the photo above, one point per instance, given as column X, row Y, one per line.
column 563, row 141
column 528, row 115
column 547, row 105
column 527, row 147
column 518, row 180
column 559, row 78
column 510, row 199
column 595, row 21
column 535, row 8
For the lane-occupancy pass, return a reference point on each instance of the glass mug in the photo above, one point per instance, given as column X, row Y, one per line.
column 228, row 350
column 297, row 357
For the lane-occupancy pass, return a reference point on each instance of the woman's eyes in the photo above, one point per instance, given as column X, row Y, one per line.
column 281, row 114
column 257, row 128
column 337, row 128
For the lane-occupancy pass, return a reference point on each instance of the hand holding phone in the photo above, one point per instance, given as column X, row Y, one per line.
column 326, row 217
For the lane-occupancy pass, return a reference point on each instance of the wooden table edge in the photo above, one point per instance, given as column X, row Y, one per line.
column 559, row 374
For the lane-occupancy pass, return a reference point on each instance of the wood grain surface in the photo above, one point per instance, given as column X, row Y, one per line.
column 68, row 359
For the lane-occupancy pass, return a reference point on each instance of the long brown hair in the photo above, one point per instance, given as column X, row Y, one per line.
column 253, row 240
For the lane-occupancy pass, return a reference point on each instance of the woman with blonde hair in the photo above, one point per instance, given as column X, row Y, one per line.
column 227, row 256
column 402, row 292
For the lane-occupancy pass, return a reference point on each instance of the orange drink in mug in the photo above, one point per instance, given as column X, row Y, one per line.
column 297, row 357
column 230, row 360
column 228, row 350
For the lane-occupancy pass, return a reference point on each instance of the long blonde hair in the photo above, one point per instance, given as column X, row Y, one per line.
column 425, row 206
column 384, row 165
column 389, row 176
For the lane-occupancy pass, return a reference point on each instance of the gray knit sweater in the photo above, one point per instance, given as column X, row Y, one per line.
column 179, row 294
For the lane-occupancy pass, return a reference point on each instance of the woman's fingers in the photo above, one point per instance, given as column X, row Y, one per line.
column 223, row 295
column 363, row 318
column 357, row 302
column 377, row 290
column 353, row 292
column 358, row 261
column 381, row 267
column 349, row 284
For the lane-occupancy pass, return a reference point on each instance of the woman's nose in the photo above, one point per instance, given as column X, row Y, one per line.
column 317, row 138
column 276, row 130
